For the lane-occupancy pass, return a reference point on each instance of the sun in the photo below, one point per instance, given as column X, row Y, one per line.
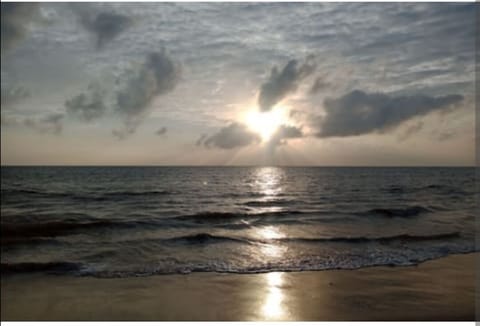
column 265, row 123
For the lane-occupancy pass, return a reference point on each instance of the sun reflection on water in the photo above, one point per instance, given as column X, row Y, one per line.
column 268, row 180
column 270, row 232
column 270, row 249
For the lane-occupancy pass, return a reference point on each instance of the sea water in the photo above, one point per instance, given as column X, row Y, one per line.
column 141, row 221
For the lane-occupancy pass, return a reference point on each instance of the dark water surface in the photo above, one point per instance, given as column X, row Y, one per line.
column 139, row 221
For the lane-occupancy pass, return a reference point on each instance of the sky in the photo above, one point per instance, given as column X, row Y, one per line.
column 349, row 84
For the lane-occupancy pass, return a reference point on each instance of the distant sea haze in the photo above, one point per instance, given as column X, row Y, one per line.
column 141, row 221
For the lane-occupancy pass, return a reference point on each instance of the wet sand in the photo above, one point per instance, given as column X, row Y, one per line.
column 442, row 289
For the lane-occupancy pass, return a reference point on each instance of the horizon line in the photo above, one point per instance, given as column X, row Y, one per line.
column 240, row 165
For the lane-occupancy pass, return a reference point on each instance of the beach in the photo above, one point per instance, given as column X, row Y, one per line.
column 441, row 289
column 238, row 162
column 237, row 243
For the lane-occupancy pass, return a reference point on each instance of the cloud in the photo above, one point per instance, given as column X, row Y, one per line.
column 446, row 135
column 14, row 20
column 285, row 132
column 132, row 95
column 162, row 131
column 52, row 123
column 105, row 26
column 319, row 85
column 158, row 75
column 127, row 130
column 411, row 130
column 231, row 136
column 358, row 112
column 8, row 120
column 280, row 84
column 200, row 140
column 89, row 105
column 11, row 95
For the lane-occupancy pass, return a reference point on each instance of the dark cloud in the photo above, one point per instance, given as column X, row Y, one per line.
column 89, row 105
column 319, row 85
column 49, row 123
column 14, row 19
column 281, row 83
column 105, row 26
column 200, row 140
column 128, row 129
column 231, row 136
column 11, row 95
column 162, row 131
column 158, row 75
column 283, row 133
column 411, row 130
column 358, row 113
column 446, row 135
column 52, row 123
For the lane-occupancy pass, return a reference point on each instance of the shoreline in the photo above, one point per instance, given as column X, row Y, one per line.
column 439, row 289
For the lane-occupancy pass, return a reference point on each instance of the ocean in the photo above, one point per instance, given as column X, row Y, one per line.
column 111, row 222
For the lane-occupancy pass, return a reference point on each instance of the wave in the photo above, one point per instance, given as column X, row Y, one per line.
column 439, row 187
column 207, row 238
column 445, row 189
column 15, row 241
column 205, row 217
column 20, row 191
column 92, row 196
column 175, row 266
column 138, row 193
column 57, row 228
column 49, row 267
column 269, row 203
column 204, row 238
column 223, row 220
column 33, row 228
column 432, row 188
column 410, row 211
column 395, row 189
column 251, row 194
column 400, row 237
column 121, row 195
